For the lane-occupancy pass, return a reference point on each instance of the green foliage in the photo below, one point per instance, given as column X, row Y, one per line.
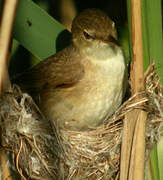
column 38, row 32
column 152, row 51
column 152, row 34
column 155, row 164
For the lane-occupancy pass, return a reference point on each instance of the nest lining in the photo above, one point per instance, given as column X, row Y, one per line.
column 40, row 152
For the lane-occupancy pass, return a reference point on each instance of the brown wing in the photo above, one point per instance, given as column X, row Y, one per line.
column 59, row 69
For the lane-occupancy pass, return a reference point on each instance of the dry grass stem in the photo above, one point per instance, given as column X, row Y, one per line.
column 5, row 37
column 132, row 145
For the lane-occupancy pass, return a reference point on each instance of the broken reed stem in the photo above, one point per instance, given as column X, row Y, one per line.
column 68, row 15
column 133, row 139
column 137, row 69
column 137, row 161
column 5, row 37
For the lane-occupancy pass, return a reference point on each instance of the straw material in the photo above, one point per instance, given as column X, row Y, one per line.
column 40, row 152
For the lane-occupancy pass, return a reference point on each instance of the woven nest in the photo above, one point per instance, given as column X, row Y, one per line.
column 38, row 152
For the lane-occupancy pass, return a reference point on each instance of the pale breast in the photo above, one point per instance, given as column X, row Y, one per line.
column 106, row 89
column 91, row 100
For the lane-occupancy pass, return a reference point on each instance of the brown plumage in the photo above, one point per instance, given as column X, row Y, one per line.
column 50, row 72
column 83, row 84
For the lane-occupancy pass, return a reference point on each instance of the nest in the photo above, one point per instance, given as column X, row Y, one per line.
column 40, row 152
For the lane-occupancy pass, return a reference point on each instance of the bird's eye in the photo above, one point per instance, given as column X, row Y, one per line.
column 88, row 36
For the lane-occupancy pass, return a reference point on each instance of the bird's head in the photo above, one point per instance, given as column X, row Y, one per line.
column 94, row 33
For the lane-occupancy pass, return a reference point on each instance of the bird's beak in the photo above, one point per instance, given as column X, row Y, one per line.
column 112, row 41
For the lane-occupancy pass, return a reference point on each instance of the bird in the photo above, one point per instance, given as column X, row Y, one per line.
column 79, row 87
